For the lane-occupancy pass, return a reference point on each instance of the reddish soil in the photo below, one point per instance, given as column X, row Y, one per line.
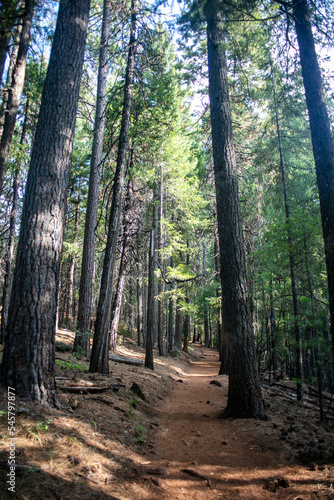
column 202, row 457
column 161, row 439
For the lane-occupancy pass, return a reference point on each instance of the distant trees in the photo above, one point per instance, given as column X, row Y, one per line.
column 82, row 339
column 15, row 88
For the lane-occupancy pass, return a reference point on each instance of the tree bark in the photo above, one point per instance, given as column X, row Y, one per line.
column 322, row 140
column 99, row 360
column 71, row 275
column 151, row 309
column 151, row 323
column 244, row 394
column 15, row 90
column 9, row 77
column 220, row 324
column 117, row 302
column 8, row 278
column 161, row 264
column 87, row 264
column 178, row 325
column 9, row 15
column 28, row 361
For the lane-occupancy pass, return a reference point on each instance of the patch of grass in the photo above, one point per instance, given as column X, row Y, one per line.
column 70, row 365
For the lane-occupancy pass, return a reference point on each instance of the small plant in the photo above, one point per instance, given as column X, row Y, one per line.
column 38, row 428
column 62, row 347
column 129, row 413
column 133, row 402
column 43, row 426
column 175, row 353
column 79, row 353
column 69, row 365
column 140, row 434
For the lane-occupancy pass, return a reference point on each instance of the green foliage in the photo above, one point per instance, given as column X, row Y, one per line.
column 140, row 434
column 70, row 365
column 38, row 429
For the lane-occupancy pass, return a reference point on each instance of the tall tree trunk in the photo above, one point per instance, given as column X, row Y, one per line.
column 140, row 305
column 205, row 307
column 178, row 325
column 87, row 264
column 28, row 361
column 186, row 327
column 71, row 275
column 244, row 393
column 99, row 359
column 139, row 310
column 15, row 90
column 161, row 263
column 9, row 260
column 186, row 320
column 8, row 17
column 220, row 324
column 117, row 302
column 322, row 139
column 170, row 324
column 151, row 309
column 149, row 361
column 10, row 72
column 298, row 349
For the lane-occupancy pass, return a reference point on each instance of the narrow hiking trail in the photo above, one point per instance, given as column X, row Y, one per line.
column 152, row 435
column 195, row 455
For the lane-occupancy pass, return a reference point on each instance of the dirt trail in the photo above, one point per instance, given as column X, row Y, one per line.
column 198, row 456
column 116, row 445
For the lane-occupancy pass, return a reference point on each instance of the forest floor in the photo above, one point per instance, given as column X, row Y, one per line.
column 138, row 434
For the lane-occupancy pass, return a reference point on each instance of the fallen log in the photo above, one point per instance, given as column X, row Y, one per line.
column 83, row 388
column 128, row 361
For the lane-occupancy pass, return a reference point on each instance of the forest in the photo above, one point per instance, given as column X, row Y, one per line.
column 167, row 193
